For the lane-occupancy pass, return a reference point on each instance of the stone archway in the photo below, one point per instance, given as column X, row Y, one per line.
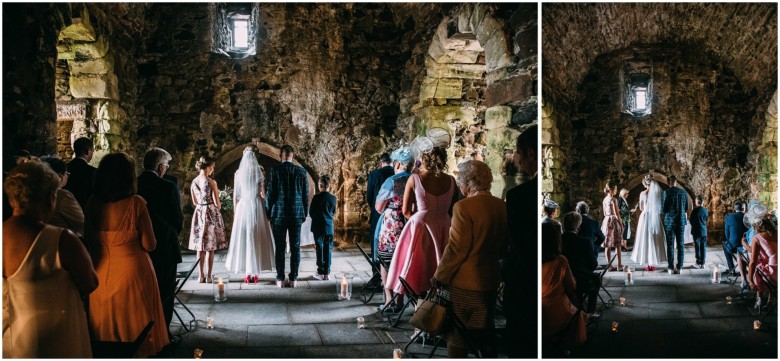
column 468, row 53
column 87, row 91
column 227, row 163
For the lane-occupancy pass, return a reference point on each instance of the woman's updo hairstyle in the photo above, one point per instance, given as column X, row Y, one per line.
column 646, row 180
column 29, row 183
column 204, row 162
column 608, row 188
column 435, row 161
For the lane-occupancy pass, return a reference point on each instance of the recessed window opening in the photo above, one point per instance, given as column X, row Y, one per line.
column 240, row 33
column 640, row 96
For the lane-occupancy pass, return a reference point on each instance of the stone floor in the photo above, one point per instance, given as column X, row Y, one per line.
column 665, row 316
column 678, row 316
column 263, row 321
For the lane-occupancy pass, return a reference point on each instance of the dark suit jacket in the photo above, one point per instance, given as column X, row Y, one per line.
column 579, row 251
column 375, row 179
column 675, row 202
column 287, row 194
column 323, row 206
column 698, row 221
column 521, row 272
column 82, row 175
column 735, row 228
column 591, row 230
column 163, row 201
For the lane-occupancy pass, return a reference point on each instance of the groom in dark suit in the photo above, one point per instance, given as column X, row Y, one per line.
column 163, row 201
column 287, row 197
column 81, row 173
column 675, row 206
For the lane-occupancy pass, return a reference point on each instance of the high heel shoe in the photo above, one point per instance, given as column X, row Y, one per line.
column 248, row 279
column 209, row 279
column 201, row 279
column 255, row 279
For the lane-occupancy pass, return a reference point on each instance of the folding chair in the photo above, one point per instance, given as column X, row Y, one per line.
column 554, row 342
column 118, row 349
column 181, row 279
column 412, row 299
column 772, row 291
column 375, row 283
column 606, row 304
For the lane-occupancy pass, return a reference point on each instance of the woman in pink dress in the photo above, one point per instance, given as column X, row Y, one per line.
column 612, row 226
column 423, row 238
column 763, row 250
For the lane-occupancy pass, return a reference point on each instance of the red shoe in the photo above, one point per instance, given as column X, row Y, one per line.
column 255, row 279
column 648, row 268
column 248, row 279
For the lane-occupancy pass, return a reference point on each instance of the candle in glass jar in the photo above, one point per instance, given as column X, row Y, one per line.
column 715, row 274
column 221, row 288
column 729, row 300
column 209, row 322
column 756, row 325
column 361, row 322
column 614, row 326
column 398, row 353
column 344, row 287
column 198, row 353
column 622, row 301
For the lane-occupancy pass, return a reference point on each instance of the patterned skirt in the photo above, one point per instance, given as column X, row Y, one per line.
column 473, row 309
column 613, row 232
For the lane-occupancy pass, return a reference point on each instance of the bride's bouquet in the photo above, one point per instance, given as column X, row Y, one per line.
column 226, row 198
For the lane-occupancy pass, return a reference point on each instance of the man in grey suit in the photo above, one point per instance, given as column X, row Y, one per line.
column 287, row 197
column 675, row 206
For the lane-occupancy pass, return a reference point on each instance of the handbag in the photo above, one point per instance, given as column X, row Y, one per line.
column 431, row 316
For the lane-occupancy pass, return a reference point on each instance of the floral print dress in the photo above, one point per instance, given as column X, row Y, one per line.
column 392, row 220
column 208, row 229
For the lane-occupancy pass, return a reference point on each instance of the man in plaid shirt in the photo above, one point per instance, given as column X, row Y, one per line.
column 675, row 206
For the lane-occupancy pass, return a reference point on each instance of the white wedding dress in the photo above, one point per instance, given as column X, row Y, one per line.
column 650, row 244
column 251, row 243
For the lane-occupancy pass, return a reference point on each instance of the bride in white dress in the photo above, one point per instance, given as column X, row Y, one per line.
column 650, row 244
column 251, row 243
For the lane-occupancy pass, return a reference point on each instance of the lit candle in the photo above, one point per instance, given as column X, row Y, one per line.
column 209, row 322
column 729, row 300
column 629, row 279
column 361, row 322
column 221, row 289
column 198, row 353
column 398, row 353
column 715, row 274
column 756, row 325
column 614, row 326
column 344, row 286
column 622, row 301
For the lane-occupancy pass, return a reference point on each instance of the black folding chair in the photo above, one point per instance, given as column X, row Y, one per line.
column 118, row 349
column 375, row 283
column 772, row 291
column 411, row 296
column 606, row 304
column 554, row 343
column 181, row 279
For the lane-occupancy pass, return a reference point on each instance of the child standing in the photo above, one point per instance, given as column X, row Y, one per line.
column 323, row 206
column 207, row 233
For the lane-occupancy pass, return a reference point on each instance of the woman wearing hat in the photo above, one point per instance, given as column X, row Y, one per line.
column 763, row 250
column 389, row 202
column 550, row 210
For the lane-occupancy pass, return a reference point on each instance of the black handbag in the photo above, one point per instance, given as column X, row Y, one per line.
column 431, row 316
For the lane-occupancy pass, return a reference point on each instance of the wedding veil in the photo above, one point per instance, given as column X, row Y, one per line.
column 248, row 176
column 653, row 208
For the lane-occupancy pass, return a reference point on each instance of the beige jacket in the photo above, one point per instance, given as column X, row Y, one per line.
column 477, row 234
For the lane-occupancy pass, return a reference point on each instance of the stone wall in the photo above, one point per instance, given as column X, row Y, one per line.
column 701, row 128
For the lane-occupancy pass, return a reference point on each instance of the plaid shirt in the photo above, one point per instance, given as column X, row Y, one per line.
column 675, row 202
column 287, row 194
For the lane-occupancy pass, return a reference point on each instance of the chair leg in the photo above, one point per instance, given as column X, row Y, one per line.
column 435, row 347
column 401, row 313
column 176, row 313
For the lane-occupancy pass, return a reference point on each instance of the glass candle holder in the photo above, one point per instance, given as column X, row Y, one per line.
column 715, row 272
column 398, row 353
column 209, row 322
column 198, row 353
column 729, row 300
column 622, row 301
column 344, row 286
column 615, row 326
column 756, row 325
column 361, row 323
column 220, row 284
column 629, row 275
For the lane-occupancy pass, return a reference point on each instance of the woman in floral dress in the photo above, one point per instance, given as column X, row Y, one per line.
column 207, row 233
column 612, row 225
column 389, row 202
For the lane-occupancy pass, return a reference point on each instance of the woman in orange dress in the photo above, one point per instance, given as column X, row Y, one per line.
column 119, row 231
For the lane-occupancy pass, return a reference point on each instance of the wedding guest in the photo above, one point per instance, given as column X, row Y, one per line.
column 46, row 271
column 734, row 229
column 625, row 216
column 323, row 206
column 287, row 197
column 389, row 202
column 582, row 262
column 422, row 241
column 612, row 226
column 469, row 269
column 82, row 175
column 67, row 212
column 207, row 233
column 121, row 234
column 590, row 228
column 521, row 273
column 698, row 221
column 163, row 202
column 743, row 251
column 550, row 209
column 763, row 253
column 559, row 298
column 375, row 180
column 675, row 208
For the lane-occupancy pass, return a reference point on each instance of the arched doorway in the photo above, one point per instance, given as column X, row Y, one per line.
column 228, row 163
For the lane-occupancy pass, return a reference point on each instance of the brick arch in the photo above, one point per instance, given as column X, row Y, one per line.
column 232, row 156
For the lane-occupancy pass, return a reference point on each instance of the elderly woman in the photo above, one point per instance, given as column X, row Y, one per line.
column 46, row 271
column 120, row 232
column 469, row 269
column 763, row 250
column 67, row 211
column 389, row 202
